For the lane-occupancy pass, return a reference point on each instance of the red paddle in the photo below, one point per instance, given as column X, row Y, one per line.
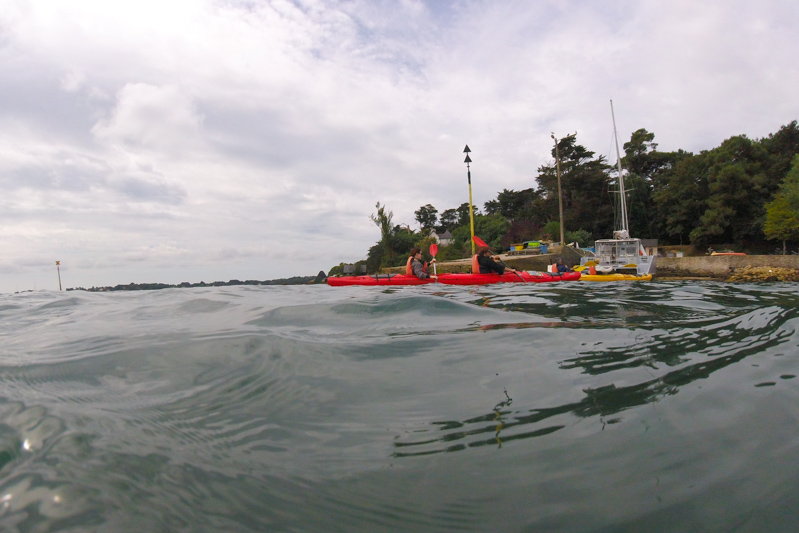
column 433, row 252
column 480, row 242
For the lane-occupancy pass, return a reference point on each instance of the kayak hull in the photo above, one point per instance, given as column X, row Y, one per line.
column 382, row 279
column 508, row 277
column 452, row 279
column 615, row 277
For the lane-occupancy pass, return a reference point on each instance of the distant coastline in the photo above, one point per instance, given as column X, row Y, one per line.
column 295, row 280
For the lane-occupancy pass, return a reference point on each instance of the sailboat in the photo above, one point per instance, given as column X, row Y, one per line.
column 622, row 257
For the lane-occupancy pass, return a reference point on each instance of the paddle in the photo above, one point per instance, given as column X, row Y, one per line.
column 433, row 252
column 480, row 242
column 580, row 268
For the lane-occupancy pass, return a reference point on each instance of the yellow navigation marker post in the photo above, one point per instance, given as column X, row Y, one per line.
column 469, row 175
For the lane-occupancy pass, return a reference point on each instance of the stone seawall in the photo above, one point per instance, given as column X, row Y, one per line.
column 720, row 266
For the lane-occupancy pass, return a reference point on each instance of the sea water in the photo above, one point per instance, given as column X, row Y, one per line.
column 571, row 406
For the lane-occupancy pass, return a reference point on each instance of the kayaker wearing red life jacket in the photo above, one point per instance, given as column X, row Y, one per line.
column 483, row 263
column 416, row 266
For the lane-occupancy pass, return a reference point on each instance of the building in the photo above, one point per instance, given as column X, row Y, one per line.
column 445, row 239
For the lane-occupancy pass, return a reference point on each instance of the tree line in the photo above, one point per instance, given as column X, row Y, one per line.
column 742, row 193
column 294, row 280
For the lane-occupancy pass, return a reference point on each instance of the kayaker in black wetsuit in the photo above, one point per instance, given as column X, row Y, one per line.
column 487, row 263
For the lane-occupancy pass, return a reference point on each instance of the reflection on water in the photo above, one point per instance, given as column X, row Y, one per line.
column 498, row 415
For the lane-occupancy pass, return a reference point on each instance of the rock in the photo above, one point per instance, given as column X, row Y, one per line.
column 764, row 273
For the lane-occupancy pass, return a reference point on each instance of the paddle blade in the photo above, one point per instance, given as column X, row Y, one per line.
column 478, row 241
column 433, row 249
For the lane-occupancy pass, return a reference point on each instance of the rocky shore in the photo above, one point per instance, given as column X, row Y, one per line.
column 731, row 267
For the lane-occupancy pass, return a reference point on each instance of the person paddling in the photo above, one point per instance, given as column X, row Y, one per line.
column 488, row 264
column 416, row 265
column 561, row 267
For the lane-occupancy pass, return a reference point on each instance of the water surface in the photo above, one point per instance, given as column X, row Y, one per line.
column 662, row 406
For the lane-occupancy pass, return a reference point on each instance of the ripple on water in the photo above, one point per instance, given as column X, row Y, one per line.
column 568, row 407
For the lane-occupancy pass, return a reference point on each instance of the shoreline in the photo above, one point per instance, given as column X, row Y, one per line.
column 700, row 268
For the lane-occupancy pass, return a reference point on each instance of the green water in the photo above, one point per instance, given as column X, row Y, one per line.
column 662, row 406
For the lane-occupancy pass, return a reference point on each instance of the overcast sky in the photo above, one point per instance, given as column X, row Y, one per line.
column 205, row 140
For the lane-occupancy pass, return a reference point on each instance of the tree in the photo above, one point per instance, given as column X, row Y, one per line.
column 552, row 230
column 738, row 189
column 463, row 214
column 491, row 228
column 426, row 216
column 646, row 169
column 782, row 213
column 449, row 219
column 520, row 231
column 513, row 205
column 682, row 196
column 782, row 220
column 491, row 207
column 382, row 220
column 374, row 259
column 781, row 147
column 401, row 245
column 581, row 237
column 584, row 184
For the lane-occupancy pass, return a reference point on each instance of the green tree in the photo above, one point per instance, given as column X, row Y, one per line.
column 552, row 230
column 426, row 216
column 519, row 231
column 682, row 196
column 491, row 207
column 646, row 169
column 382, row 219
column 584, row 183
column 581, row 237
column 402, row 243
column 782, row 213
column 463, row 214
column 781, row 147
column 374, row 259
column 449, row 219
column 513, row 205
column 491, row 228
column 738, row 189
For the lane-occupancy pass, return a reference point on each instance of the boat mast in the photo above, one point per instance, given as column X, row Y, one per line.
column 624, row 223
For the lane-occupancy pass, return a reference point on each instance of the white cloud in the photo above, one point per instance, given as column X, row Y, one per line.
column 151, row 118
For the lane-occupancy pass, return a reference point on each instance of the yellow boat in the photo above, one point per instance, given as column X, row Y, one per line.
column 615, row 277
column 585, row 273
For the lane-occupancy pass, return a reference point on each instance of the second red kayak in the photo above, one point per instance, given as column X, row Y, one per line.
column 453, row 279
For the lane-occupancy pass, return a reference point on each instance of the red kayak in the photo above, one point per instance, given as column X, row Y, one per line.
column 453, row 279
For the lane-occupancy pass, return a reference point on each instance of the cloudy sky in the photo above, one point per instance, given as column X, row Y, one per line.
column 204, row 140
